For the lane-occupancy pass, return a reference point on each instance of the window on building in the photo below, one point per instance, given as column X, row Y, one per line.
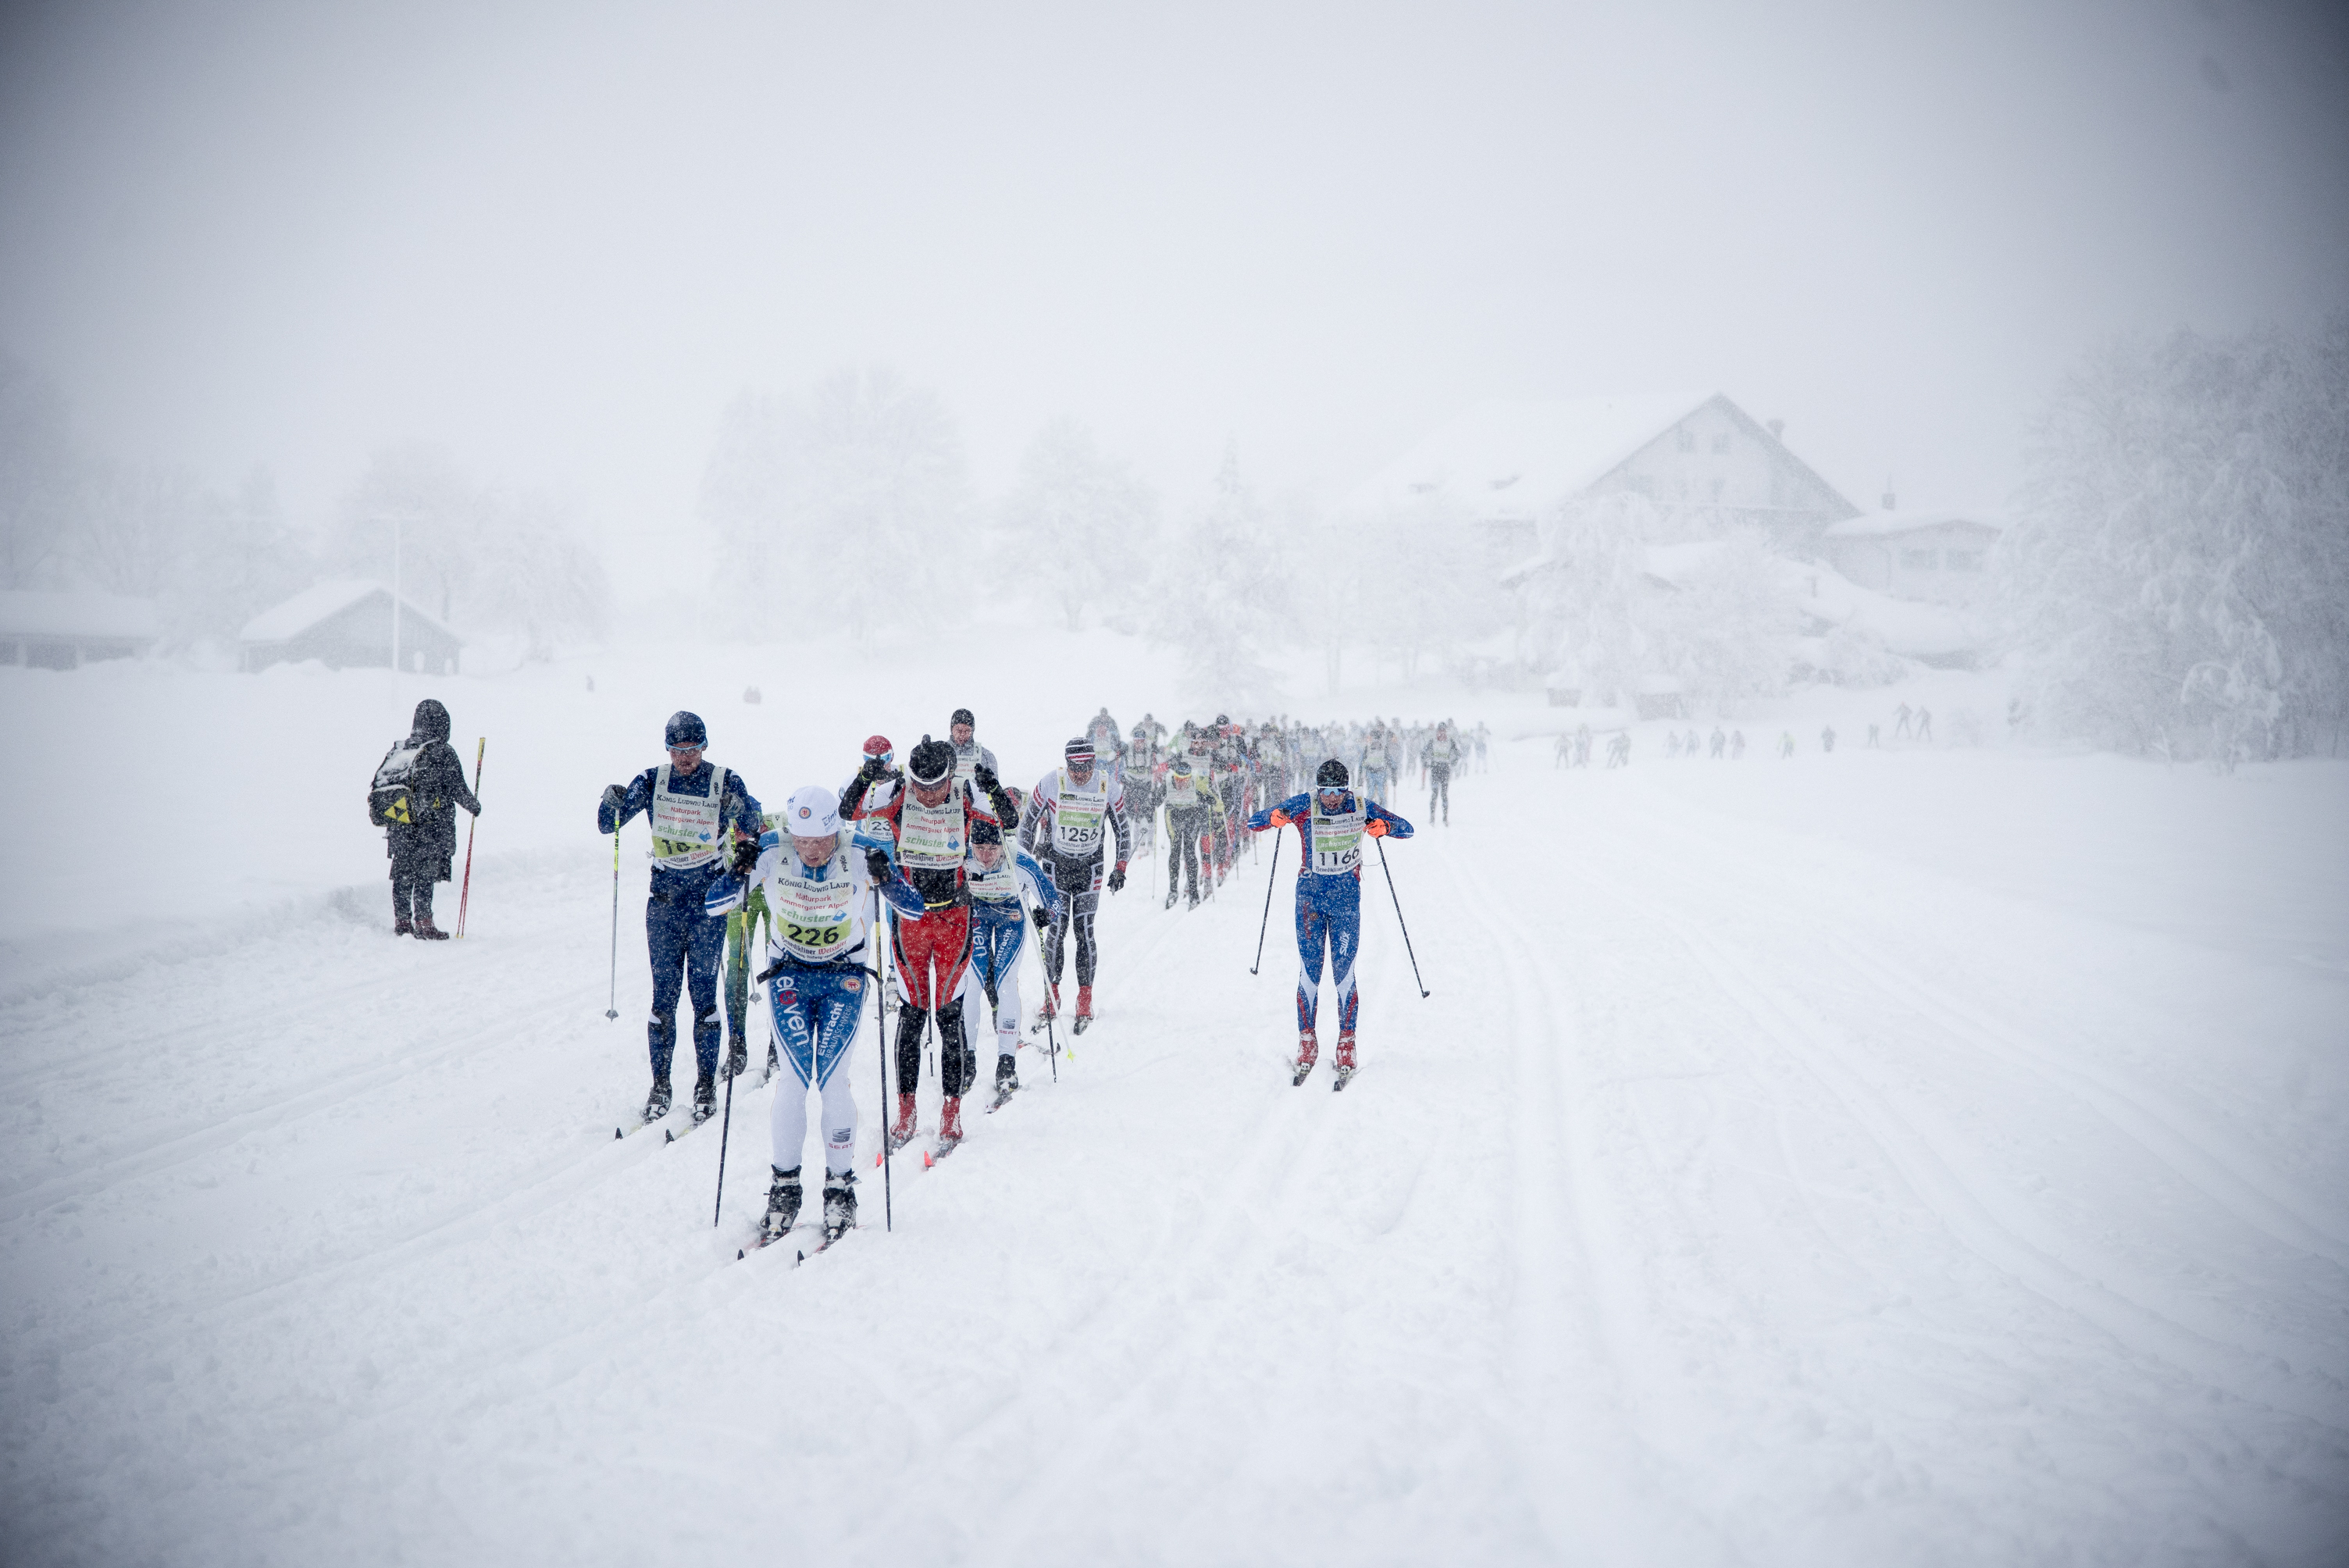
column 1962, row 560
column 1721, row 443
column 1919, row 559
column 1687, row 439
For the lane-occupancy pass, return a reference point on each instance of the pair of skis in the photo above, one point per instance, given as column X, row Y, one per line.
column 1301, row 1071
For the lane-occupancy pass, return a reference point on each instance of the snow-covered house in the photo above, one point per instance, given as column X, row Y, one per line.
column 1940, row 556
column 1502, row 465
column 347, row 622
column 64, row 630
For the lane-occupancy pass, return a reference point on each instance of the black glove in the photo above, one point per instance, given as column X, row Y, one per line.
column 746, row 856
column 871, row 773
column 877, row 862
column 614, row 796
column 1117, row 879
column 985, row 776
column 1043, row 921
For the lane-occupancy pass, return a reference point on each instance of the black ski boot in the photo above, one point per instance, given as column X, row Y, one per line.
column 1007, row 1081
column 705, row 1099
column 782, row 1205
column 657, row 1103
column 1170, row 898
column 839, row 1205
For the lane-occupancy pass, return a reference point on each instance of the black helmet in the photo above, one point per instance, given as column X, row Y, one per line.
column 686, row 729
column 1223, row 719
column 984, row 833
column 1182, row 765
column 931, row 763
column 1331, row 775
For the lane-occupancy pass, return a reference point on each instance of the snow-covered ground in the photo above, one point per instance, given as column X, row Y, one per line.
column 1916, row 1156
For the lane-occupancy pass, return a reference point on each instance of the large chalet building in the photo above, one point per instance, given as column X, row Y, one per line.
column 1701, row 459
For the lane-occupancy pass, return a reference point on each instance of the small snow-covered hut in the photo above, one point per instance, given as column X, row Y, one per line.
column 347, row 622
column 65, row 631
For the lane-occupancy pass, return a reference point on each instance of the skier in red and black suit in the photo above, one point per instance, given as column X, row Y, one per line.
column 930, row 819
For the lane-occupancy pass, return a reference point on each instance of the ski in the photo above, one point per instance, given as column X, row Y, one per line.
column 1344, row 1077
column 761, row 1242
column 1002, row 1098
column 1298, row 1073
column 1085, row 1021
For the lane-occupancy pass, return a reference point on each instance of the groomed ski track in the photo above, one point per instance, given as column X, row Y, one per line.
column 1738, row 1196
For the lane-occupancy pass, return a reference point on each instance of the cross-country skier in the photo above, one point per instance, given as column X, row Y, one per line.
column 930, row 821
column 1378, row 765
column 418, row 787
column 1191, row 806
column 702, row 816
column 998, row 929
column 1064, row 826
column 969, row 753
column 1331, row 822
column 818, row 890
column 1440, row 754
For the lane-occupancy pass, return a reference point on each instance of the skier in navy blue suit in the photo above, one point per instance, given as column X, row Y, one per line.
column 1332, row 823
column 704, row 819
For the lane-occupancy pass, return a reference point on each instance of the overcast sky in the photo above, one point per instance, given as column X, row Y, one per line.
column 559, row 239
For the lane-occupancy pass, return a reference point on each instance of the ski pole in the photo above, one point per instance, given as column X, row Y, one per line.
column 465, row 893
column 725, row 1131
column 612, row 1009
column 1266, row 923
column 881, row 1049
column 1399, row 920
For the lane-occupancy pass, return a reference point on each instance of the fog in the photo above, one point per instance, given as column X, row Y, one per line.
column 557, row 241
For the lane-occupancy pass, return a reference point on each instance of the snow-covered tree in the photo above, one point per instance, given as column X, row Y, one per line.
column 2179, row 564
column 870, row 471
column 416, row 498
column 1221, row 600
column 1079, row 525
column 1727, row 627
column 39, row 475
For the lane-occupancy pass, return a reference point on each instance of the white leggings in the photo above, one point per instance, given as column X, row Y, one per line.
column 790, row 1120
column 1007, row 1005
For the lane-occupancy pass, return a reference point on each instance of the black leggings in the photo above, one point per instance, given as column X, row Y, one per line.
column 416, row 892
column 1079, row 883
column 1439, row 787
column 956, row 1066
column 1184, row 826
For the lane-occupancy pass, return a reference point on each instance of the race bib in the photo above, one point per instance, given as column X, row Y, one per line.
column 812, row 920
column 930, row 836
column 1337, row 841
column 684, row 827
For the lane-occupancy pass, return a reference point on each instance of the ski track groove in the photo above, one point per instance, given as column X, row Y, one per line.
column 1977, row 1220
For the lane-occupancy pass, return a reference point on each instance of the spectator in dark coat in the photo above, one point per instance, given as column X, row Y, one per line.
column 423, row 849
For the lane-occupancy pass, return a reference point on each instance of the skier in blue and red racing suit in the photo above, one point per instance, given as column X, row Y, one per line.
column 1332, row 823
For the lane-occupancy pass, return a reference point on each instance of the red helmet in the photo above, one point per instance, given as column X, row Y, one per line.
column 877, row 746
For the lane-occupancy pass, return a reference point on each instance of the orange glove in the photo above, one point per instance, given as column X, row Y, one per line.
column 1281, row 818
column 1376, row 826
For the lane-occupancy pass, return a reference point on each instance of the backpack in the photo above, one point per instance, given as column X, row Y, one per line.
column 388, row 801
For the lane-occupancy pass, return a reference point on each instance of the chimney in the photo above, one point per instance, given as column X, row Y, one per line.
column 1778, row 429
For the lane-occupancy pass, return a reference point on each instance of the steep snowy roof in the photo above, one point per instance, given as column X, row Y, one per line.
column 318, row 600
column 1517, row 459
column 1882, row 524
column 26, row 613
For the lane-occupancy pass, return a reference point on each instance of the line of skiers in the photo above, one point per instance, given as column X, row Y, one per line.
column 962, row 863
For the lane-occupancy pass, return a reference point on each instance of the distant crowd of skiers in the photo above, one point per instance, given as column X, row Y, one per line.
column 1573, row 747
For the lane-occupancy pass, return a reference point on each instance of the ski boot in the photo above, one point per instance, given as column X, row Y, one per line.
column 657, row 1103
column 1084, row 1008
column 902, row 1133
column 1342, row 1064
column 1007, row 1081
column 404, row 926
column 839, row 1205
column 1045, row 1012
column 1170, row 898
column 428, row 932
column 1308, row 1050
column 1194, row 903
column 705, row 1099
column 782, row 1206
column 949, row 1123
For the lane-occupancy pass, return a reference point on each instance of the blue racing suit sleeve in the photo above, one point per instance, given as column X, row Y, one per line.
column 639, row 799
column 1292, row 810
column 1397, row 828
column 1040, row 885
